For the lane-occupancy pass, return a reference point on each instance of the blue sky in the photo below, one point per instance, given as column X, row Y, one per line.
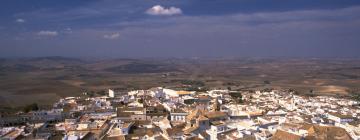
column 180, row 28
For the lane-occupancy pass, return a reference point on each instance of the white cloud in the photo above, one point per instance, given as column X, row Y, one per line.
column 67, row 31
column 112, row 36
column 47, row 33
column 20, row 20
column 159, row 10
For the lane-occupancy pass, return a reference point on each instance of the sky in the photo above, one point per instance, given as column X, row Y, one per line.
column 180, row 28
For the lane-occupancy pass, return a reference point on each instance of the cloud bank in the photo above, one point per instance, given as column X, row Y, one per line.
column 112, row 36
column 160, row 10
column 20, row 20
column 47, row 33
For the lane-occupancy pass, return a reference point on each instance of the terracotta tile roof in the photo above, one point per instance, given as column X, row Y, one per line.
column 124, row 114
column 149, row 133
column 160, row 137
column 248, row 137
column 202, row 118
column 128, row 124
column 327, row 133
column 127, row 112
column 178, row 110
column 283, row 135
column 215, row 114
column 11, row 134
column 291, row 125
column 174, row 131
column 191, row 129
column 194, row 138
column 342, row 116
column 204, row 98
column 216, row 123
column 115, row 138
column 131, row 109
column 182, row 92
column 306, row 126
column 204, row 134
column 194, row 114
column 88, row 136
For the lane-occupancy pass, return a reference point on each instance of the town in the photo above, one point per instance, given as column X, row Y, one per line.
column 161, row 113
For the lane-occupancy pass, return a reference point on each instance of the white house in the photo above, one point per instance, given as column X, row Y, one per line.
column 111, row 93
column 178, row 115
column 340, row 118
column 158, row 93
column 218, row 128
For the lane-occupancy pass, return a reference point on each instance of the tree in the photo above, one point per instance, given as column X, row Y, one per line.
column 141, row 101
column 236, row 96
column 102, row 93
column 266, row 82
column 31, row 107
column 189, row 101
column 355, row 94
column 91, row 94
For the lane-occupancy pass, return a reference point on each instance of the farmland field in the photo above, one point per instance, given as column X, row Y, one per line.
column 46, row 79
